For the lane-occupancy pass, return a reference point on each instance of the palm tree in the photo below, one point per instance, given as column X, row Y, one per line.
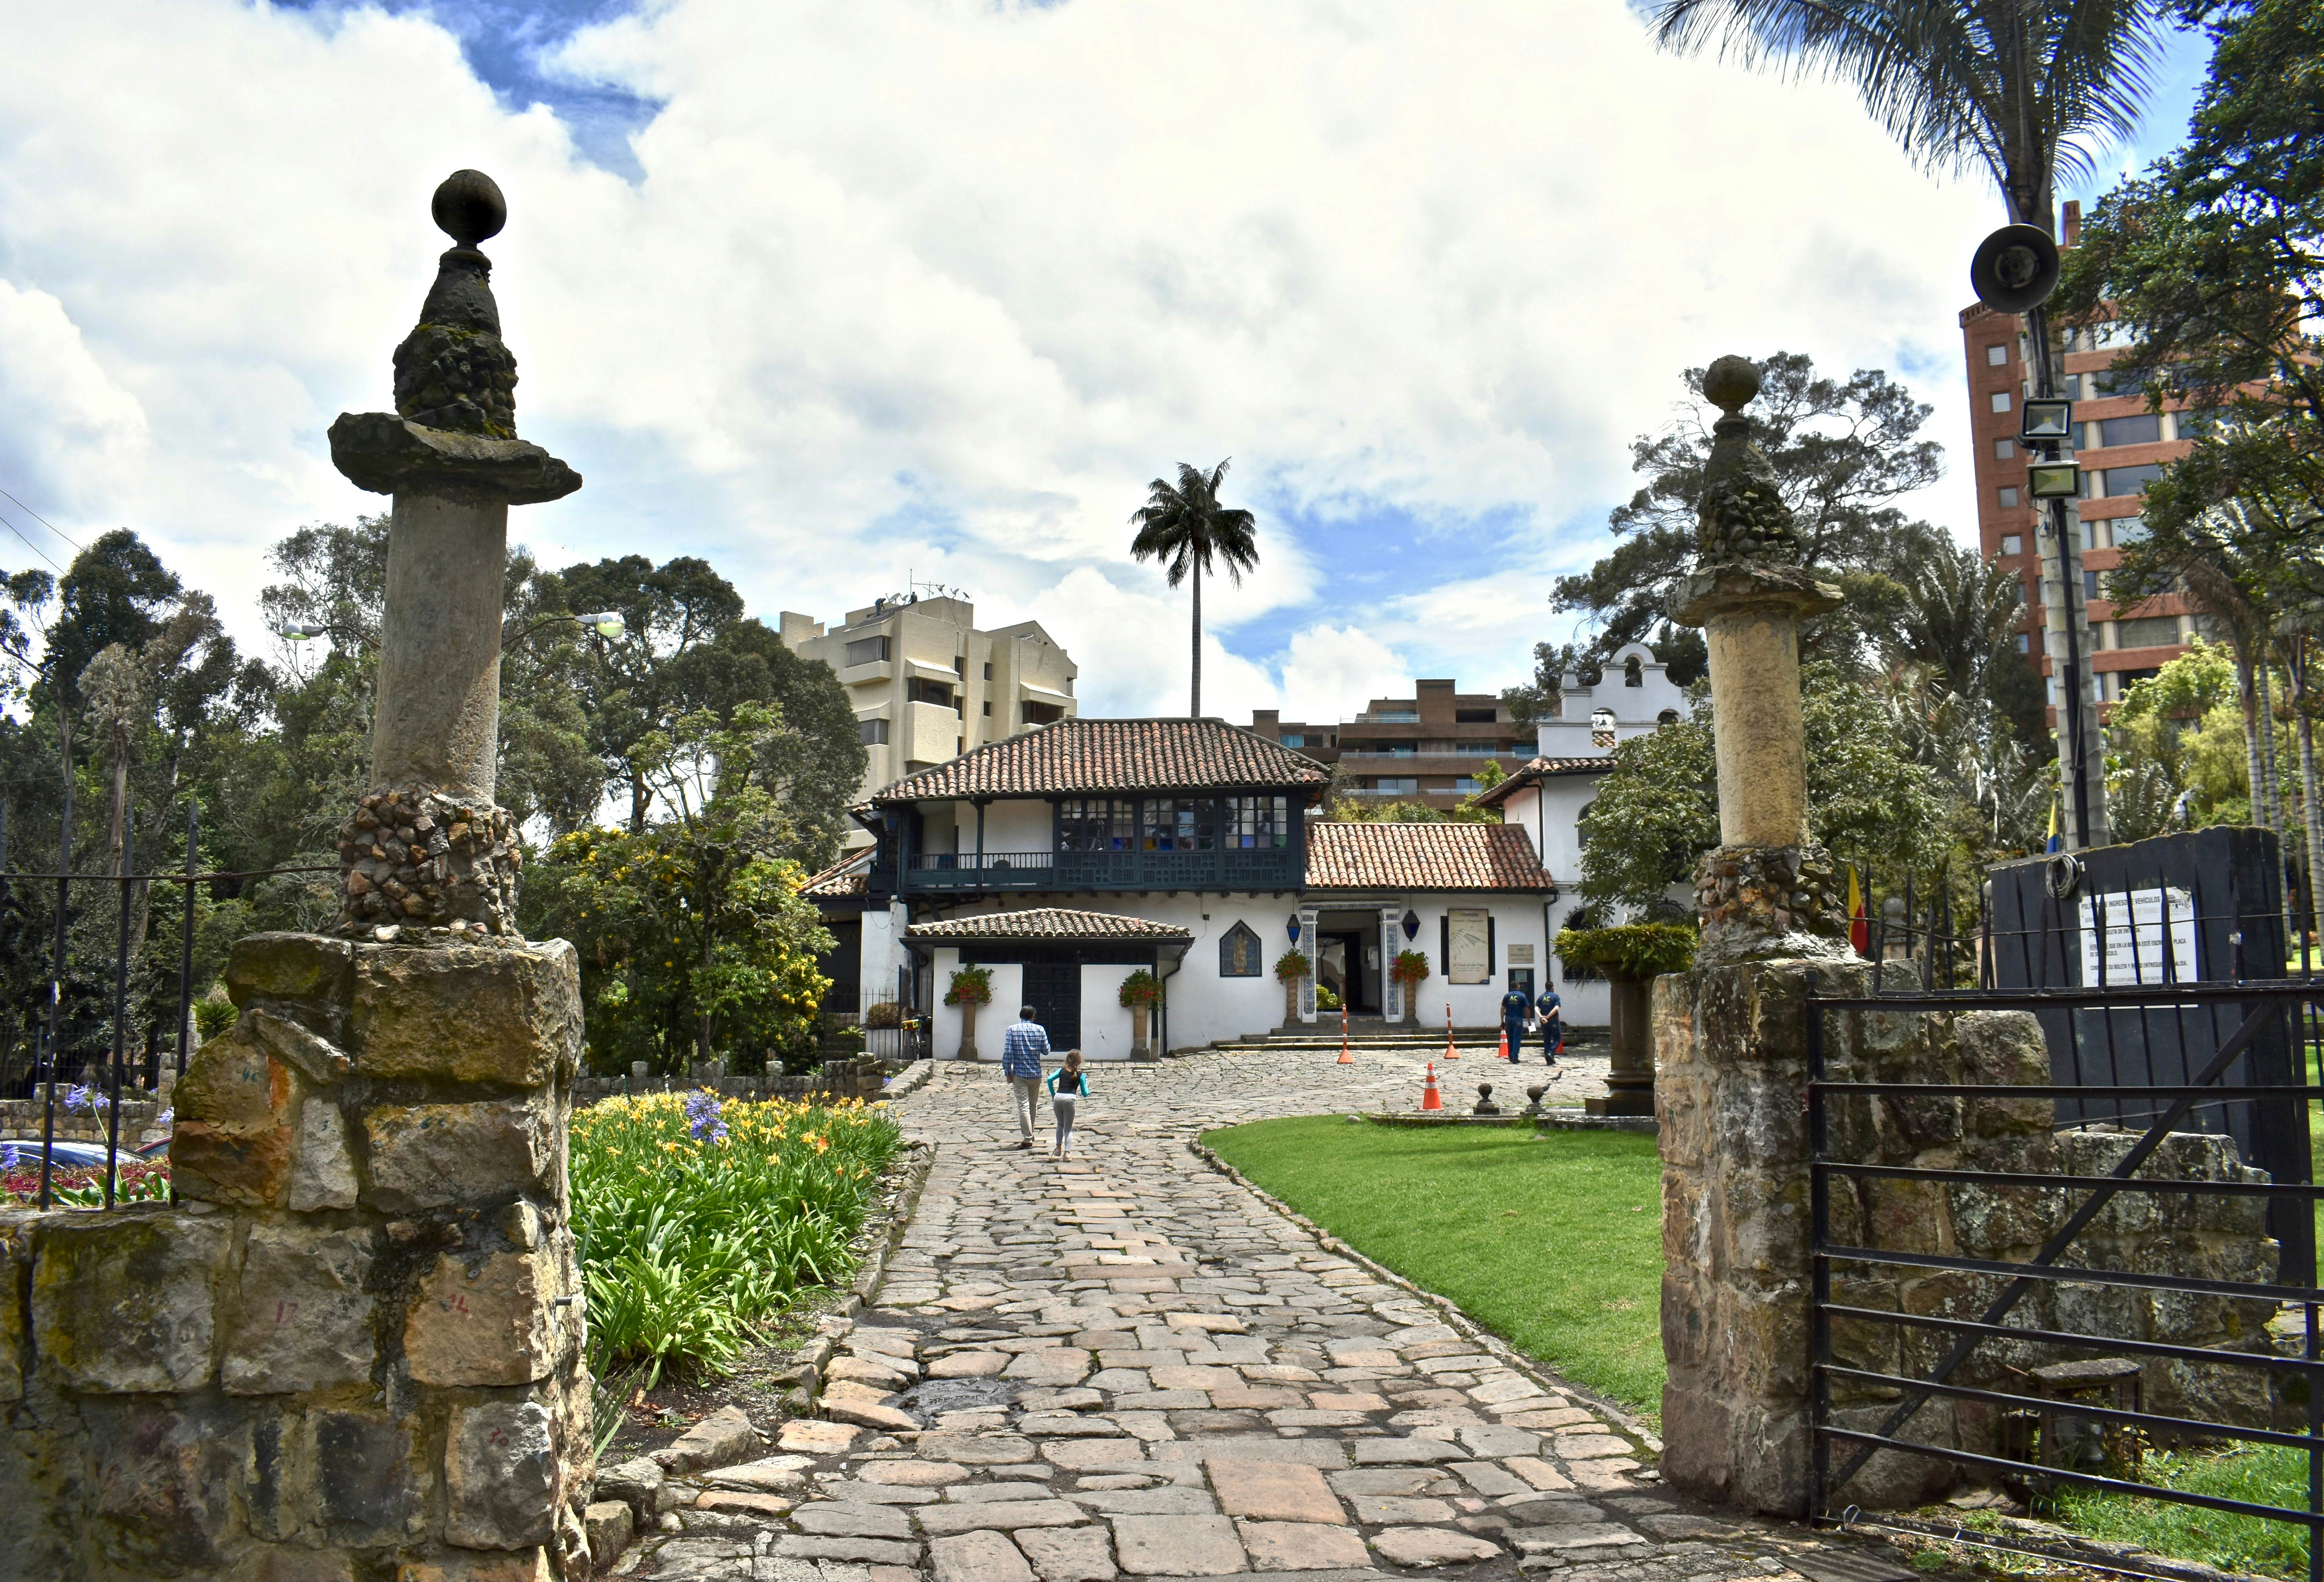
column 1184, row 526
column 2008, row 85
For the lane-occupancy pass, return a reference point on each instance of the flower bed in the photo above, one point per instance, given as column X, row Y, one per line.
column 700, row 1218
column 82, row 1186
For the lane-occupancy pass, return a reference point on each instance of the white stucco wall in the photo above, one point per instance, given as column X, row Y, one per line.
column 1010, row 826
column 1007, row 994
column 1105, row 1021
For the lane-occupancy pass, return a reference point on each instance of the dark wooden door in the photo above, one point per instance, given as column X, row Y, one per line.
column 1053, row 990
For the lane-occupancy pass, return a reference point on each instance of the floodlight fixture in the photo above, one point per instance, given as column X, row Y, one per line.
column 2047, row 419
column 2053, row 480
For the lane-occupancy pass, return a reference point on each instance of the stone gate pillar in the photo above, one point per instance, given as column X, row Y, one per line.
column 1730, row 1036
column 352, row 1349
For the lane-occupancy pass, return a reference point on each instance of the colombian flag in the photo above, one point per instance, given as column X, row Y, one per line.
column 1859, row 927
column 2054, row 810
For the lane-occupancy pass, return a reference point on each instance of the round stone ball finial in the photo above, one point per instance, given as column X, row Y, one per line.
column 468, row 207
column 1730, row 382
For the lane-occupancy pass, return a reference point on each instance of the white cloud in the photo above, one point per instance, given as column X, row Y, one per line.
column 937, row 285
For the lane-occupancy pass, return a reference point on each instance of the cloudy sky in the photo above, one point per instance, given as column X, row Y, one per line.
column 839, row 293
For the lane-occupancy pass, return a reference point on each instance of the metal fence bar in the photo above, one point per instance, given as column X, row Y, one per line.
column 2064, row 1407
column 2058, row 1243
column 120, row 1012
column 2258, row 1359
column 57, row 981
column 185, row 936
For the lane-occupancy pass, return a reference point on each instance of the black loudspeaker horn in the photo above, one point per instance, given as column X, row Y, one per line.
column 2015, row 269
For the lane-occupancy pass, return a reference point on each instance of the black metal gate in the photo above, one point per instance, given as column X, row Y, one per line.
column 2060, row 1402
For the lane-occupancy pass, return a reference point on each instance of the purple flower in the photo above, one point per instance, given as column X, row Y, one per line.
column 167, row 1118
column 702, row 1117
column 87, row 1098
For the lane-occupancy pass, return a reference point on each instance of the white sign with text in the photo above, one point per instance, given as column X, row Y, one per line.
column 2123, row 937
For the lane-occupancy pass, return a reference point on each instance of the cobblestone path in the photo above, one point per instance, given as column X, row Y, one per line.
column 1127, row 1365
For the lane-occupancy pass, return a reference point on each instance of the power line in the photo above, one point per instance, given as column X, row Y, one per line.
column 35, row 548
column 44, row 521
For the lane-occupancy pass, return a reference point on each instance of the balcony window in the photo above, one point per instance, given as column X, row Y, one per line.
column 1043, row 713
column 1256, row 822
column 920, row 691
column 867, row 650
column 1386, row 786
column 1096, row 824
column 1294, row 740
column 1466, row 786
column 1179, row 823
column 871, row 732
column 1475, row 716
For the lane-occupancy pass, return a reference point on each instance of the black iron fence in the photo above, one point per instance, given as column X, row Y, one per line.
column 2040, row 1366
column 83, row 1107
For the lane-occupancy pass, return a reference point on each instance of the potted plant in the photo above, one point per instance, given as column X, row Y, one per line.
column 970, row 987
column 1631, row 956
column 1141, row 991
column 1290, row 968
column 1410, row 968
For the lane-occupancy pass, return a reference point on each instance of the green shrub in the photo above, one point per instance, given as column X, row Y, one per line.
column 214, row 1013
column 1291, row 966
column 1629, row 950
column 1141, row 987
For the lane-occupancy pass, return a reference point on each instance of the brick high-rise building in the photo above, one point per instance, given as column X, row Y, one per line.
column 2121, row 445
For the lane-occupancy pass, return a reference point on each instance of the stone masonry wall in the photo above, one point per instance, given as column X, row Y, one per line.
column 1731, row 1059
column 352, row 1350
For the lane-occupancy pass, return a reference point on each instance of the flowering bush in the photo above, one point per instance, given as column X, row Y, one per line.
column 700, row 1218
column 88, row 1099
column 1291, row 966
column 1410, row 966
column 1141, row 987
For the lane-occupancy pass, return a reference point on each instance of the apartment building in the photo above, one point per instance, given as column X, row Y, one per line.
column 1426, row 748
column 928, row 686
column 2121, row 445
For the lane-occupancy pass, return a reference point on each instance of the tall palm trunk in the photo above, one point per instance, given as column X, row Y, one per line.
column 2301, row 675
column 1195, row 712
column 2267, row 798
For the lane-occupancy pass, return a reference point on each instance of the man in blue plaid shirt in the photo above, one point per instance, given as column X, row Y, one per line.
column 1022, row 1063
column 1023, row 1047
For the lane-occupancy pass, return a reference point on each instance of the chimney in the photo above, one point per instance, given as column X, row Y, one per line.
column 2070, row 231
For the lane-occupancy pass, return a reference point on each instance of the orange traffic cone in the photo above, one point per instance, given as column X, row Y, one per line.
column 1452, row 1051
column 1505, row 1041
column 1346, row 1058
column 1430, row 1098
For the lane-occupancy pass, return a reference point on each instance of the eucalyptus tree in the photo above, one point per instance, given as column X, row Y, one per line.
column 1186, row 527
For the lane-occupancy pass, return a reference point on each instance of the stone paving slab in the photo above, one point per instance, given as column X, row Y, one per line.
column 1127, row 1365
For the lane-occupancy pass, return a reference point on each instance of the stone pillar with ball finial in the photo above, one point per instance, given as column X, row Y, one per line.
column 1731, row 1034
column 1766, row 890
column 428, row 854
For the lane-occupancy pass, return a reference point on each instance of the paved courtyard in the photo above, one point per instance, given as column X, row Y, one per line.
column 1128, row 1366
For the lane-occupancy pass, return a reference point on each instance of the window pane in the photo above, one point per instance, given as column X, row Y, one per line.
column 2001, row 400
column 1996, row 357
column 2140, row 429
column 2013, row 544
column 2148, row 631
column 2003, row 449
column 2008, row 495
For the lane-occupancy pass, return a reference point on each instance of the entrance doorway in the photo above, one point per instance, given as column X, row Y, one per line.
column 1053, row 990
column 1347, row 958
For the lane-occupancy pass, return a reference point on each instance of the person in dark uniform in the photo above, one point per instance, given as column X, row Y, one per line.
column 1552, row 1012
column 1514, row 1009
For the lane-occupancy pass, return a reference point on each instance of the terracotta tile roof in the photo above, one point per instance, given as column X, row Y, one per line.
column 1050, row 922
column 1099, row 756
column 1421, row 857
column 1541, row 768
column 851, row 876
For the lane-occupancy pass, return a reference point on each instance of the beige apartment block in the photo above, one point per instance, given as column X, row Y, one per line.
column 928, row 686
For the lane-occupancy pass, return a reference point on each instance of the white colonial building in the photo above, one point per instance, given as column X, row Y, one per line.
column 1069, row 857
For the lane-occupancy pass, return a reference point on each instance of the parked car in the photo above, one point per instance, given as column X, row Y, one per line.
column 68, row 1155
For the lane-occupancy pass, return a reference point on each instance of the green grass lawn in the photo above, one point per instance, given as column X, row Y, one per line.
column 2265, row 1475
column 1555, row 1244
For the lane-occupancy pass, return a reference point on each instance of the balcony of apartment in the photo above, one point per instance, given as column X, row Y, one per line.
column 1278, row 868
